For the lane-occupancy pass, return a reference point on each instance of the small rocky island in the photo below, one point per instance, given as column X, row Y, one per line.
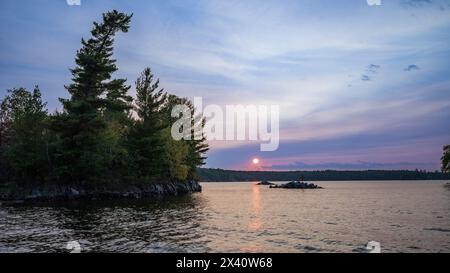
column 265, row 183
column 103, row 143
column 296, row 185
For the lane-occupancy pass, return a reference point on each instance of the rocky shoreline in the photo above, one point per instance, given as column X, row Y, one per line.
column 65, row 193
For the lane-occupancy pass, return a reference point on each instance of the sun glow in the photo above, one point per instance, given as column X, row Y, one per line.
column 255, row 161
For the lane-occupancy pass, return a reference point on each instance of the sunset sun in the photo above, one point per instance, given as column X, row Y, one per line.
column 255, row 161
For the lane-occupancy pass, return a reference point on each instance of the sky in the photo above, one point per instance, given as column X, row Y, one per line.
column 359, row 86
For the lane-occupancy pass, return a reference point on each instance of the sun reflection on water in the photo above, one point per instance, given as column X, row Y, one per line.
column 255, row 223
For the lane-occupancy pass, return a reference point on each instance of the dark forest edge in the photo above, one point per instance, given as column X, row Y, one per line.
column 219, row 175
column 103, row 140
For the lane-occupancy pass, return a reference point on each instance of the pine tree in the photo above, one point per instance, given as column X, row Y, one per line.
column 446, row 159
column 195, row 140
column 150, row 98
column 146, row 138
column 198, row 145
column 84, row 154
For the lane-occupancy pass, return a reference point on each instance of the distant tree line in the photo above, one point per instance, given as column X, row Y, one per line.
column 102, row 135
column 220, row 175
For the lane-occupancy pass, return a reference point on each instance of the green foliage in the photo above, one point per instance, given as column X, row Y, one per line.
column 24, row 135
column 194, row 140
column 175, row 156
column 197, row 146
column 156, row 152
column 446, row 159
column 98, row 138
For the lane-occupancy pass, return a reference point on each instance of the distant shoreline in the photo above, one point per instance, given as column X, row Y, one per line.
column 220, row 175
column 337, row 181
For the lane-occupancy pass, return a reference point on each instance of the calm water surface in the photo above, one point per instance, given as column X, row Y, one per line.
column 243, row 217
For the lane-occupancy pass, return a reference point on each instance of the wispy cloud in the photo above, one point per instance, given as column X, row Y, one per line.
column 411, row 67
column 416, row 3
column 365, row 78
column 359, row 165
column 373, row 68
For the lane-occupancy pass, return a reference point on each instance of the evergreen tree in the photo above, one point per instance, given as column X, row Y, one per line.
column 149, row 98
column 446, row 159
column 198, row 145
column 86, row 152
column 146, row 139
column 195, row 141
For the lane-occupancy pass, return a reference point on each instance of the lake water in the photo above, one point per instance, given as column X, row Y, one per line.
column 243, row 217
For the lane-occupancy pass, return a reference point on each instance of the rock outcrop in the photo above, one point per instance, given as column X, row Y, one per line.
column 62, row 193
column 265, row 183
column 296, row 185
